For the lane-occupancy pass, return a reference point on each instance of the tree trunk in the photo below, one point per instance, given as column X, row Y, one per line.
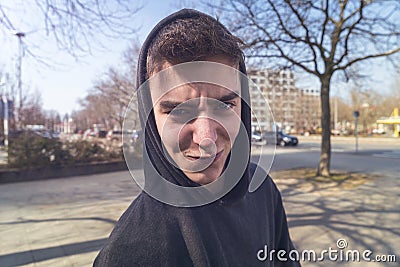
column 325, row 157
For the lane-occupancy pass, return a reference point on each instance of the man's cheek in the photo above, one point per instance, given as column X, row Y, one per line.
column 174, row 137
column 231, row 129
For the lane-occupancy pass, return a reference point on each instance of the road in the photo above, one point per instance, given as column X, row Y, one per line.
column 375, row 156
column 64, row 222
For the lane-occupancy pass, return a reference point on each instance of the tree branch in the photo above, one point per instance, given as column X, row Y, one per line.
column 384, row 54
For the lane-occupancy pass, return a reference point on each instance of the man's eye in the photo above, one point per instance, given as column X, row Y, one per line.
column 184, row 112
column 225, row 105
column 178, row 112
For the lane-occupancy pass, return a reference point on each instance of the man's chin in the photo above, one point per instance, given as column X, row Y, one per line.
column 204, row 177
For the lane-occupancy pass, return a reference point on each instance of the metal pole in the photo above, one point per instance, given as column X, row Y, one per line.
column 336, row 113
column 20, row 35
column 5, row 101
column 20, row 74
column 356, row 133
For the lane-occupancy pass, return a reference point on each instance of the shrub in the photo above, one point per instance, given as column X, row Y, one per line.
column 83, row 151
column 28, row 150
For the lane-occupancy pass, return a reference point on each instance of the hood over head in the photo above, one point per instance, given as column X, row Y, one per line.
column 155, row 162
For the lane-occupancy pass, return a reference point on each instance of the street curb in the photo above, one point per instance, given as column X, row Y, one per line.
column 15, row 176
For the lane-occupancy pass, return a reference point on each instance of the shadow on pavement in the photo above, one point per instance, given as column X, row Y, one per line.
column 37, row 255
column 366, row 216
column 62, row 219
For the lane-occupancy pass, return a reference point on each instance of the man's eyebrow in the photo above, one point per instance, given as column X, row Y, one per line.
column 228, row 97
column 166, row 104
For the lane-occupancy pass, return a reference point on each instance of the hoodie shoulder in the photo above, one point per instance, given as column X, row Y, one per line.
column 139, row 237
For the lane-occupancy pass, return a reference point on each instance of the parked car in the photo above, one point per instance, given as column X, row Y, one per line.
column 283, row 139
column 278, row 138
column 47, row 134
column 378, row 131
column 256, row 138
column 136, row 136
column 116, row 136
column 89, row 133
column 102, row 134
column 269, row 137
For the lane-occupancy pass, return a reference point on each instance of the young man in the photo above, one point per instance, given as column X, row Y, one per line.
column 196, row 209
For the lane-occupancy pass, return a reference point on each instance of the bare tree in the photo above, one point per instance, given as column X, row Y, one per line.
column 75, row 25
column 32, row 112
column 52, row 120
column 95, row 110
column 368, row 103
column 108, row 100
column 321, row 38
column 344, row 109
column 390, row 100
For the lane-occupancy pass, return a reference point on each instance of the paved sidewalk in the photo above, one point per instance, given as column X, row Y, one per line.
column 64, row 222
column 61, row 222
column 3, row 156
column 366, row 217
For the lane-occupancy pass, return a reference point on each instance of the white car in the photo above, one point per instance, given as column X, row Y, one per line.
column 378, row 131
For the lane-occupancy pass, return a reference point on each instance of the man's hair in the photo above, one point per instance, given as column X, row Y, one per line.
column 192, row 39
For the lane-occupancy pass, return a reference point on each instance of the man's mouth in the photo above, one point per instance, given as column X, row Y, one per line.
column 205, row 157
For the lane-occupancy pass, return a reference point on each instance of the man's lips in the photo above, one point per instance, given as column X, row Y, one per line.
column 205, row 157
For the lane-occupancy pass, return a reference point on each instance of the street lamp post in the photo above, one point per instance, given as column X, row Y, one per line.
column 20, row 35
column 5, row 121
column 335, row 115
column 5, row 101
column 356, row 114
column 365, row 107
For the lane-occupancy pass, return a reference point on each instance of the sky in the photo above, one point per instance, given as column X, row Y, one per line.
column 67, row 80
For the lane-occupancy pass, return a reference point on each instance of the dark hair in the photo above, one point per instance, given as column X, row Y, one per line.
column 192, row 39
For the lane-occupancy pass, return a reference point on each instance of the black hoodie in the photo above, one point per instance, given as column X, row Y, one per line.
column 239, row 229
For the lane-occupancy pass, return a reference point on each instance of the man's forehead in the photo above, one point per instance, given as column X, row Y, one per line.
column 197, row 90
column 199, row 75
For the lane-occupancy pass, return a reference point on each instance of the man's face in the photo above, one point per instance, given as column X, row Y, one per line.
column 198, row 123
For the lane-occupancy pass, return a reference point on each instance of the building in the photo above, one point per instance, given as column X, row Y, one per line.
column 293, row 109
column 310, row 110
column 394, row 120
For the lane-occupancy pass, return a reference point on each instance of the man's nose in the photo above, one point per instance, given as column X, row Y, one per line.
column 205, row 132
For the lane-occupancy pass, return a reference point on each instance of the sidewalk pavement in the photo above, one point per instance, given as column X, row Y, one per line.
column 368, row 139
column 64, row 222
column 365, row 216
column 3, row 156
